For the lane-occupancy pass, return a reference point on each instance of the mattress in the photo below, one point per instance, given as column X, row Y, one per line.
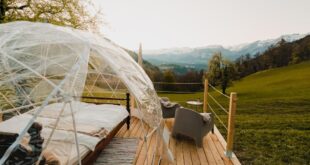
column 93, row 122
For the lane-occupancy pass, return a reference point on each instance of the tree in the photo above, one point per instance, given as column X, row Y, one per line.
column 228, row 74
column 168, row 77
column 74, row 13
column 295, row 57
column 191, row 76
column 220, row 72
column 214, row 69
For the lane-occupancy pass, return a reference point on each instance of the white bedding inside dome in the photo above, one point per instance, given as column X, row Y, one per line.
column 89, row 118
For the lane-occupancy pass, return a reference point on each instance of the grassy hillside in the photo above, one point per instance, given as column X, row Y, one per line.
column 273, row 115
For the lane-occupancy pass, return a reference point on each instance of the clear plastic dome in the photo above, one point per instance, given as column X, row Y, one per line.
column 42, row 64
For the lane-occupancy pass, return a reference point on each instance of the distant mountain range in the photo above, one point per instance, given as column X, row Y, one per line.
column 197, row 58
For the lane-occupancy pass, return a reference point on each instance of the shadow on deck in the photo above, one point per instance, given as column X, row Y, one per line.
column 185, row 151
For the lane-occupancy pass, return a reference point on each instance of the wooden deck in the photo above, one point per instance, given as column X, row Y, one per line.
column 184, row 150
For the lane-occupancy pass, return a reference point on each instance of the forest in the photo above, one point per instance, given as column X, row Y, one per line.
column 282, row 54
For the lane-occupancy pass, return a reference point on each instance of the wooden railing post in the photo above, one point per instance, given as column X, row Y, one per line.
column 231, row 124
column 205, row 96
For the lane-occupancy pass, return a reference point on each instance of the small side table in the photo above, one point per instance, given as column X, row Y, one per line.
column 195, row 103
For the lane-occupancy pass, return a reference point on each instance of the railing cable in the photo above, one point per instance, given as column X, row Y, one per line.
column 218, row 103
column 184, row 83
column 218, row 118
column 219, row 91
column 178, row 92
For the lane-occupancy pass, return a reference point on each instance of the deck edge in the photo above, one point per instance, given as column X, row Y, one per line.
column 234, row 158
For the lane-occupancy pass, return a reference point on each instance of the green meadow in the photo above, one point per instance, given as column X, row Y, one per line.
column 273, row 115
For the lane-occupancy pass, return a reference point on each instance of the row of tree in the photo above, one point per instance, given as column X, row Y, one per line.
column 221, row 72
column 282, row 54
column 191, row 81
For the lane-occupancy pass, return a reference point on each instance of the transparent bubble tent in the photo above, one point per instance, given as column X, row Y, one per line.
column 45, row 71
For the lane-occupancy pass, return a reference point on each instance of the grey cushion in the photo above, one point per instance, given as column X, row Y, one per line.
column 206, row 117
column 164, row 99
column 169, row 104
column 168, row 108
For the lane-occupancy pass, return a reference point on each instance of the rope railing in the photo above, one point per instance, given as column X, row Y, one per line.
column 218, row 91
column 231, row 115
column 176, row 92
column 222, row 108
column 178, row 83
column 218, row 118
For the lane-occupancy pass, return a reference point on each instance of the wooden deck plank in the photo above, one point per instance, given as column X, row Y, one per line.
column 151, row 150
column 124, row 129
column 194, row 154
column 141, row 142
column 208, row 152
column 220, row 150
column 135, row 129
column 146, row 156
column 219, row 136
column 121, row 132
column 185, row 151
column 132, row 126
column 215, row 153
column 169, row 124
column 172, row 146
column 138, row 148
column 142, row 153
column 202, row 156
column 179, row 153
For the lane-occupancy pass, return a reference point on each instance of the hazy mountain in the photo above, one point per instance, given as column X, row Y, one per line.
column 152, row 71
column 192, row 57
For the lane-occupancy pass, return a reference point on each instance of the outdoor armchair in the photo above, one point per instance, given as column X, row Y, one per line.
column 168, row 108
column 192, row 124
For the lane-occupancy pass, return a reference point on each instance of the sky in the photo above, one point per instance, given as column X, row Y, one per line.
column 159, row 24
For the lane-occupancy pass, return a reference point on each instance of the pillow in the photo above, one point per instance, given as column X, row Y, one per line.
column 206, row 117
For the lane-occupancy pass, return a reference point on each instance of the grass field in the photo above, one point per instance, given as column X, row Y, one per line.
column 273, row 115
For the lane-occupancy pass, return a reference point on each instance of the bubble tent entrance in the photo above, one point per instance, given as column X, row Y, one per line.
column 43, row 64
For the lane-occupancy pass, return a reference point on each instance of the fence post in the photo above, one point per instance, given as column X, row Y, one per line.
column 231, row 124
column 1, row 117
column 128, row 109
column 205, row 96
